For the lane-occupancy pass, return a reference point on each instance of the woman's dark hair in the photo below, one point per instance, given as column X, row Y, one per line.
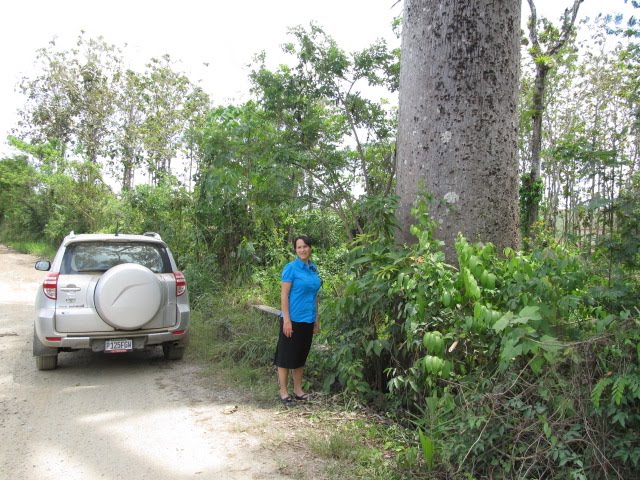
column 304, row 238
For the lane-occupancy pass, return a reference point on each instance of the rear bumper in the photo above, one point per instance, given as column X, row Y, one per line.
column 178, row 335
column 139, row 341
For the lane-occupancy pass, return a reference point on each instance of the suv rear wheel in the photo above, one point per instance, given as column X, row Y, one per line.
column 172, row 352
column 46, row 358
column 49, row 362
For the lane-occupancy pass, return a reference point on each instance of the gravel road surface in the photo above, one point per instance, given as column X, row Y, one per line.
column 132, row 416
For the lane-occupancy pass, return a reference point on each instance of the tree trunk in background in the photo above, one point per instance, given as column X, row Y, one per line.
column 543, row 60
column 533, row 201
column 457, row 121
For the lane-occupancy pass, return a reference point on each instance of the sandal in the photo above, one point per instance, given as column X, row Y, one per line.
column 302, row 398
column 287, row 401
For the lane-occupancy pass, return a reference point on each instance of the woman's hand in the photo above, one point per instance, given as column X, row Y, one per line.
column 287, row 328
column 316, row 327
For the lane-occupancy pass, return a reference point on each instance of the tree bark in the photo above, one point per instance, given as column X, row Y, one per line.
column 457, row 126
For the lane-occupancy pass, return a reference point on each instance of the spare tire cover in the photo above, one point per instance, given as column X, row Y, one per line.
column 127, row 296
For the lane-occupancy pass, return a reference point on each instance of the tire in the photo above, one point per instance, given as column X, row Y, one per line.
column 128, row 296
column 48, row 362
column 172, row 352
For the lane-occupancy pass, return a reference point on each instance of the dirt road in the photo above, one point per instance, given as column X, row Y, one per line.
column 132, row 416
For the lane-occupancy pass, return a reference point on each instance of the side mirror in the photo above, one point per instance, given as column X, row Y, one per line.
column 43, row 265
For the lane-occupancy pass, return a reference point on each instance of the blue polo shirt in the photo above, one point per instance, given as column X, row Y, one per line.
column 305, row 283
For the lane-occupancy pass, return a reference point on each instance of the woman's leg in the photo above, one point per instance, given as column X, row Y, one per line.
column 297, row 381
column 283, row 381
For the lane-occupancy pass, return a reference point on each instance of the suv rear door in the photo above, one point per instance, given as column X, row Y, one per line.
column 134, row 281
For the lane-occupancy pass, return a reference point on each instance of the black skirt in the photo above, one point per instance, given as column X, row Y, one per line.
column 292, row 352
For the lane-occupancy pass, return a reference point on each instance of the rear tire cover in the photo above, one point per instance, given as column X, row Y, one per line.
column 127, row 296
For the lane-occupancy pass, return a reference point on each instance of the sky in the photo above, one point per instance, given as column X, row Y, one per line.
column 223, row 34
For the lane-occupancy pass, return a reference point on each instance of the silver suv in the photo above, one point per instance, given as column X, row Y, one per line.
column 112, row 294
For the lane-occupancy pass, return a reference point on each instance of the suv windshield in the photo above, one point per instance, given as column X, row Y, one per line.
column 101, row 256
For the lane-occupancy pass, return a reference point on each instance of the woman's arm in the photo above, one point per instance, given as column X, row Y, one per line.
column 316, row 325
column 287, row 326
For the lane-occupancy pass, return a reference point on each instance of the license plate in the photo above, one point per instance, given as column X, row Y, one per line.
column 118, row 345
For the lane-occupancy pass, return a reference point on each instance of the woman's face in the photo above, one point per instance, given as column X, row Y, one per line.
column 303, row 250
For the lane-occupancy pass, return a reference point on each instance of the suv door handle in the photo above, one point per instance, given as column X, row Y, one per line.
column 70, row 289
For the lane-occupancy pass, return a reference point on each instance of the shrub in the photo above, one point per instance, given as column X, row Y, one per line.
column 493, row 361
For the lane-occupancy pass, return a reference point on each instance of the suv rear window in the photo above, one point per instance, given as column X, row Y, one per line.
column 101, row 256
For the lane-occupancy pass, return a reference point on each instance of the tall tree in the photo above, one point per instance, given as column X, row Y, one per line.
column 547, row 43
column 99, row 75
column 127, row 147
column 71, row 100
column 457, row 126
column 165, row 93
column 86, row 106
column 338, row 139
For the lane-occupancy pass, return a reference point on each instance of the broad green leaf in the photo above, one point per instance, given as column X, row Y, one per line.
column 550, row 343
column 328, row 381
column 503, row 322
column 510, row 350
column 531, row 313
column 536, row 364
column 428, row 449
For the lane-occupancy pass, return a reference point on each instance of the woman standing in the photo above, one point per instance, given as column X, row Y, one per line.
column 300, row 283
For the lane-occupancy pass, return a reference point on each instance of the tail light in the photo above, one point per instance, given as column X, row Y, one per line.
column 50, row 286
column 181, row 283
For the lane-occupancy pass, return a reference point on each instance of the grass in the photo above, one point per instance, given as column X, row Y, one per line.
column 237, row 344
column 39, row 249
column 238, row 341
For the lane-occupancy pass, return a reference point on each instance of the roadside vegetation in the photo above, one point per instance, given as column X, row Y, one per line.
column 508, row 364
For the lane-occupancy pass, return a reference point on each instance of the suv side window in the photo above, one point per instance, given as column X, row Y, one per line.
column 101, row 256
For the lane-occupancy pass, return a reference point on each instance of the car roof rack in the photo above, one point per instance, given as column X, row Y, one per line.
column 152, row 234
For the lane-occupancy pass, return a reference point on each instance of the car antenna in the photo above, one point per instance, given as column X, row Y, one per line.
column 117, row 229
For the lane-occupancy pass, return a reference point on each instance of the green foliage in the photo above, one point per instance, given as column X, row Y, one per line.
column 616, row 394
column 332, row 139
column 17, row 216
column 376, row 215
column 250, row 197
column 378, row 295
column 626, row 245
column 531, row 192
column 59, row 196
column 166, row 209
column 490, row 357
column 32, row 247
column 428, row 449
column 227, row 333
column 242, row 193
column 616, row 260
column 77, row 198
column 82, row 101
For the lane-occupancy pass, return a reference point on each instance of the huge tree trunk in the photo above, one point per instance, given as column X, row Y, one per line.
column 457, row 120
